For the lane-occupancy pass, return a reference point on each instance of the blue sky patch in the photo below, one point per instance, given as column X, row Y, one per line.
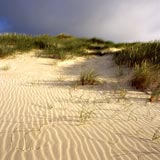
column 4, row 25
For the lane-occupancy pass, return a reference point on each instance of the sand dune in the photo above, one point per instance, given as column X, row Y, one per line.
column 40, row 108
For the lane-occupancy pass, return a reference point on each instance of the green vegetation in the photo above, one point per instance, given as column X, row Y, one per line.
column 137, row 53
column 144, row 58
column 9, row 43
column 145, row 76
column 61, row 46
column 67, row 48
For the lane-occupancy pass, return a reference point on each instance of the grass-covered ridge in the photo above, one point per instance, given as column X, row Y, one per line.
column 137, row 53
column 144, row 58
column 61, row 46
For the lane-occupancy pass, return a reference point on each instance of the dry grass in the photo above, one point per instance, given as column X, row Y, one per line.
column 145, row 76
column 88, row 77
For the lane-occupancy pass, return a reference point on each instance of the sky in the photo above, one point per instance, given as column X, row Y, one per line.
column 115, row 20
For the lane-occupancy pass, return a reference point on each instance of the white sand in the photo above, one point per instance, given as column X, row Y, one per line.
column 40, row 107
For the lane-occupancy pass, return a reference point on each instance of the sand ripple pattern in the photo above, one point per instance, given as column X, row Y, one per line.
column 40, row 117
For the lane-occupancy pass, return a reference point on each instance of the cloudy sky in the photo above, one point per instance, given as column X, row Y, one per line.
column 116, row 20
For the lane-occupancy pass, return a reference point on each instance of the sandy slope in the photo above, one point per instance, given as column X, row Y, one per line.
column 40, row 107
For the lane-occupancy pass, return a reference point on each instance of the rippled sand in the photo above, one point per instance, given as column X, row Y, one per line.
column 40, row 107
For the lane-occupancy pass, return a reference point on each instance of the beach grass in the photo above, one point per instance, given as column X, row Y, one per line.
column 144, row 59
column 88, row 77
column 61, row 46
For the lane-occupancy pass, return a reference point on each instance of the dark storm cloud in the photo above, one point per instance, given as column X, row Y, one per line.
column 118, row 20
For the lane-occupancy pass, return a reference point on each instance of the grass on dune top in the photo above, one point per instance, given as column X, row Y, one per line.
column 60, row 46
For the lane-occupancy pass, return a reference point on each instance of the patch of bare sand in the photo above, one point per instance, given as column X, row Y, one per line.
column 41, row 108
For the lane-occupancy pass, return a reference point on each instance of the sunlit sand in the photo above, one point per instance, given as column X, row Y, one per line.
column 41, row 105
